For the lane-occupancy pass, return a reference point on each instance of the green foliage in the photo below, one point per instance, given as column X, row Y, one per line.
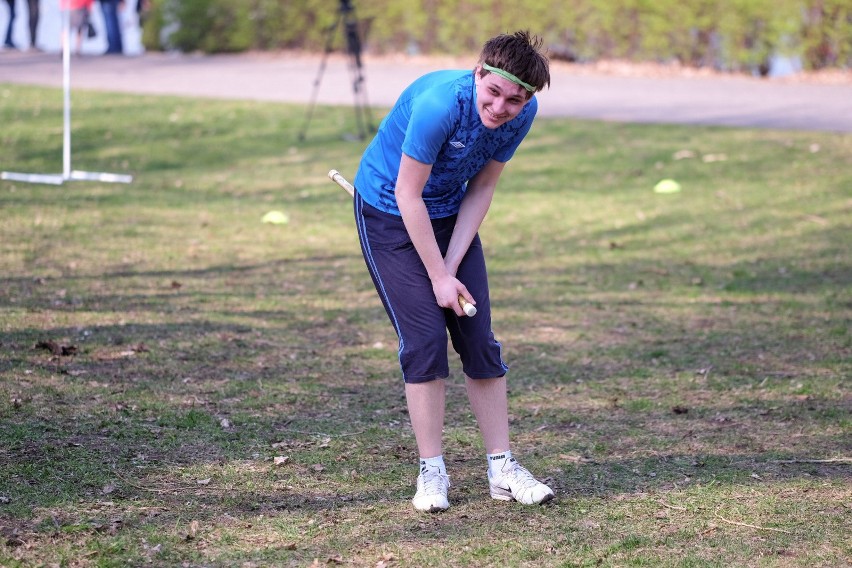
column 153, row 23
column 726, row 34
column 212, row 26
column 827, row 33
column 193, row 20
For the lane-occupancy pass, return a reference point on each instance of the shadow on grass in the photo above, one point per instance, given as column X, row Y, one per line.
column 128, row 386
column 83, row 421
column 136, row 445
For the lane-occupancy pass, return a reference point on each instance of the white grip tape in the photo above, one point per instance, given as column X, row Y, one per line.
column 338, row 178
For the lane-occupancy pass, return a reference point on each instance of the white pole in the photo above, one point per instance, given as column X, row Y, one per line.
column 67, row 172
column 66, row 85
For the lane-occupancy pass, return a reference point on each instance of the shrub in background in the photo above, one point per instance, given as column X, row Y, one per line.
column 739, row 35
column 211, row 26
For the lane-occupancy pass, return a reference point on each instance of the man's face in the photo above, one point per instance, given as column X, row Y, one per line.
column 498, row 100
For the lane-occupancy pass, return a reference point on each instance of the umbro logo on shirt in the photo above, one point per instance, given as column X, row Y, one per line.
column 456, row 144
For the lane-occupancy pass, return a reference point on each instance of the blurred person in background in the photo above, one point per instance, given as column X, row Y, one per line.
column 142, row 9
column 7, row 43
column 81, row 24
column 33, row 8
column 110, row 9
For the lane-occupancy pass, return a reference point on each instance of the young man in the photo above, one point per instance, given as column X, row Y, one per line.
column 424, row 185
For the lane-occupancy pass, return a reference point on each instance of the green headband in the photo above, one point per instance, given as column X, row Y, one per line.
column 509, row 76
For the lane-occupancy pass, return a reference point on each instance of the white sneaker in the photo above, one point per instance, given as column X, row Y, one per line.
column 432, row 486
column 515, row 482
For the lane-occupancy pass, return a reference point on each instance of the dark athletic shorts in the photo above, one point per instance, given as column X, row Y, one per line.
column 406, row 292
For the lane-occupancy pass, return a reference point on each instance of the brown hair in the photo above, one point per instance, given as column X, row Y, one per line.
column 521, row 55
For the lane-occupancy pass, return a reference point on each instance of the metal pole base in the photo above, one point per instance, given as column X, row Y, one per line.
column 53, row 179
column 59, row 179
column 101, row 176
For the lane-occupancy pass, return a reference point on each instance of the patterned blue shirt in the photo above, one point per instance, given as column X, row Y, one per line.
column 435, row 121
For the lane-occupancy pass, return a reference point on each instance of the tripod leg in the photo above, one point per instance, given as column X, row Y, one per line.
column 329, row 38
column 353, row 41
column 363, row 104
column 357, row 88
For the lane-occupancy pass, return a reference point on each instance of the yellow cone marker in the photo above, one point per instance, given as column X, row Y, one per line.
column 667, row 186
column 276, row 218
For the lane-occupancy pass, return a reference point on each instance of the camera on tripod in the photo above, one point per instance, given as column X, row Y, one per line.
column 352, row 31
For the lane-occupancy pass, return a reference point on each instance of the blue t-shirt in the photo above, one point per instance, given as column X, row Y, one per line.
column 435, row 121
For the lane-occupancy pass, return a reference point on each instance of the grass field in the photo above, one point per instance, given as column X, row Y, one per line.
column 184, row 385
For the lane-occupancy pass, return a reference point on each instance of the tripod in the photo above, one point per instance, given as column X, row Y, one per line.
column 345, row 14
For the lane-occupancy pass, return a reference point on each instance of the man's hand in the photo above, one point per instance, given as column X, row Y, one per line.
column 447, row 292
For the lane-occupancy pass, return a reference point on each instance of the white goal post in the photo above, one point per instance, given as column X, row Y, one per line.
column 67, row 173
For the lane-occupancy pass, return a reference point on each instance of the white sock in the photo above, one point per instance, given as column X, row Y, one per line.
column 497, row 461
column 434, row 463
